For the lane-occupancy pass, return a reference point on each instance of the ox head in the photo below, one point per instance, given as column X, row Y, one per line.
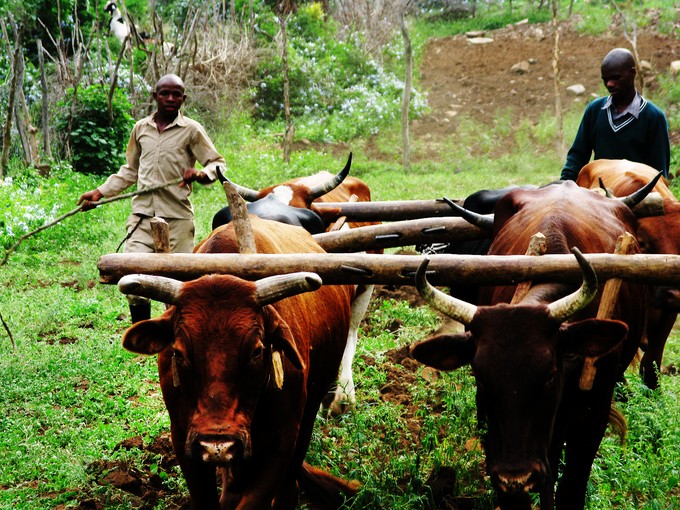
column 520, row 355
column 220, row 348
column 295, row 194
column 271, row 208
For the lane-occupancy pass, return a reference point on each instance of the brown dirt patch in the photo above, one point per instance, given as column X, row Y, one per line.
column 476, row 80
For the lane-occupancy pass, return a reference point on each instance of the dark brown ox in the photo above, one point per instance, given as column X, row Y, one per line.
column 656, row 234
column 527, row 357
column 301, row 193
column 243, row 372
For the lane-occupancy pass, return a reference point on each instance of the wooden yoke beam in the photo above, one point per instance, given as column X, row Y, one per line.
column 348, row 268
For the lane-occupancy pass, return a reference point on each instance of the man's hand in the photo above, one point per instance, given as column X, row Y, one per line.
column 191, row 175
column 88, row 199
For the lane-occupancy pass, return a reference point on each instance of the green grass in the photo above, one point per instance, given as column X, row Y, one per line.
column 71, row 394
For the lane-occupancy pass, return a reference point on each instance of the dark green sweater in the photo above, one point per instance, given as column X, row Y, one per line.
column 643, row 140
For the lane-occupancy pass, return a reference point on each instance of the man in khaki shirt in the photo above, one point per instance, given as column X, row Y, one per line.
column 163, row 147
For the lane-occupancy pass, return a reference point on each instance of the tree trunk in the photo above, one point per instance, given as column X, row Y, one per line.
column 289, row 135
column 406, row 100
column 47, row 148
column 21, row 111
column 561, row 150
column 7, row 134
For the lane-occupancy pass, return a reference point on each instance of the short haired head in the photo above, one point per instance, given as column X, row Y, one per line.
column 619, row 57
column 618, row 75
column 171, row 80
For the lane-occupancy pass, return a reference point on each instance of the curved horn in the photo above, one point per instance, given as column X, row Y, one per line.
column 275, row 288
column 247, row 194
column 455, row 308
column 638, row 196
column 567, row 306
column 483, row 221
column 158, row 288
column 607, row 193
column 333, row 182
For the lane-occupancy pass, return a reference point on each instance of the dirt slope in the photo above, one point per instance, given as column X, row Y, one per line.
column 464, row 78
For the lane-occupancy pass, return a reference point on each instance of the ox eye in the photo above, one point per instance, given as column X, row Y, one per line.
column 258, row 353
column 550, row 381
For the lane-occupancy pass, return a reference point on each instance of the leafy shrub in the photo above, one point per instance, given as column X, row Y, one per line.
column 97, row 145
column 337, row 90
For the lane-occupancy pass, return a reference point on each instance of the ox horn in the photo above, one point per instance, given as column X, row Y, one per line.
column 483, row 221
column 274, row 288
column 607, row 192
column 457, row 309
column 638, row 196
column 567, row 306
column 333, row 182
column 158, row 288
column 247, row 194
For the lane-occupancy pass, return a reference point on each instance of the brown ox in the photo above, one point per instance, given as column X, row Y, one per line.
column 296, row 197
column 527, row 357
column 243, row 373
column 656, row 234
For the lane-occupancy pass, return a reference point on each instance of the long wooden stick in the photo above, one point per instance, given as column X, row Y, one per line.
column 346, row 268
column 79, row 208
column 610, row 294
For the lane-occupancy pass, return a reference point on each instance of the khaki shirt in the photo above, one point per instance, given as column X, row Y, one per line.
column 156, row 158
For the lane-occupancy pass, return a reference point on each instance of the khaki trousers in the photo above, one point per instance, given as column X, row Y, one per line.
column 141, row 240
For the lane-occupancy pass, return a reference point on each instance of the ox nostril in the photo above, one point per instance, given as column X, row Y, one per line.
column 218, row 450
column 516, row 481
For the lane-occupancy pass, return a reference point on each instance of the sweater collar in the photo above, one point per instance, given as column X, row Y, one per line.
column 633, row 108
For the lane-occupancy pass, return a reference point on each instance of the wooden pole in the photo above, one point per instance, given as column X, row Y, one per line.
column 385, row 211
column 160, row 231
column 239, row 217
column 399, row 233
column 347, row 268
column 610, row 294
column 400, row 210
column 537, row 247
column 340, row 222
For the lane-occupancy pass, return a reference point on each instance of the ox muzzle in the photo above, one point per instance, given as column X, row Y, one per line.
column 218, row 449
column 519, row 479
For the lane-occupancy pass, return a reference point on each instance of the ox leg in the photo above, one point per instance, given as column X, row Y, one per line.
column 585, row 428
column 202, row 484
column 514, row 501
column 345, row 397
column 659, row 325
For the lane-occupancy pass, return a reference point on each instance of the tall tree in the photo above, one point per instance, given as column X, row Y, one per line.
column 15, row 67
column 283, row 11
column 408, row 80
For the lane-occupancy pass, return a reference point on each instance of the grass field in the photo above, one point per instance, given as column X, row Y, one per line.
column 82, row 421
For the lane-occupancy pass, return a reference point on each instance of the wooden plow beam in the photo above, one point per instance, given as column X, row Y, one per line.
column 397, row 210
column 348, row 268
column 400, row 210
column 399, row 233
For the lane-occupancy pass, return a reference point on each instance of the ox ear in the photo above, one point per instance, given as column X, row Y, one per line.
column 445, row 352
column 150, row 336
column 282, row 337
column 593, row 337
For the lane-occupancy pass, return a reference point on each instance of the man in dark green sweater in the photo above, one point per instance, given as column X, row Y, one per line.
column 623, row 125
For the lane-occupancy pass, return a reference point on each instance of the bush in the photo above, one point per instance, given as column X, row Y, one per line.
column 337, row 90
column 97, row 145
